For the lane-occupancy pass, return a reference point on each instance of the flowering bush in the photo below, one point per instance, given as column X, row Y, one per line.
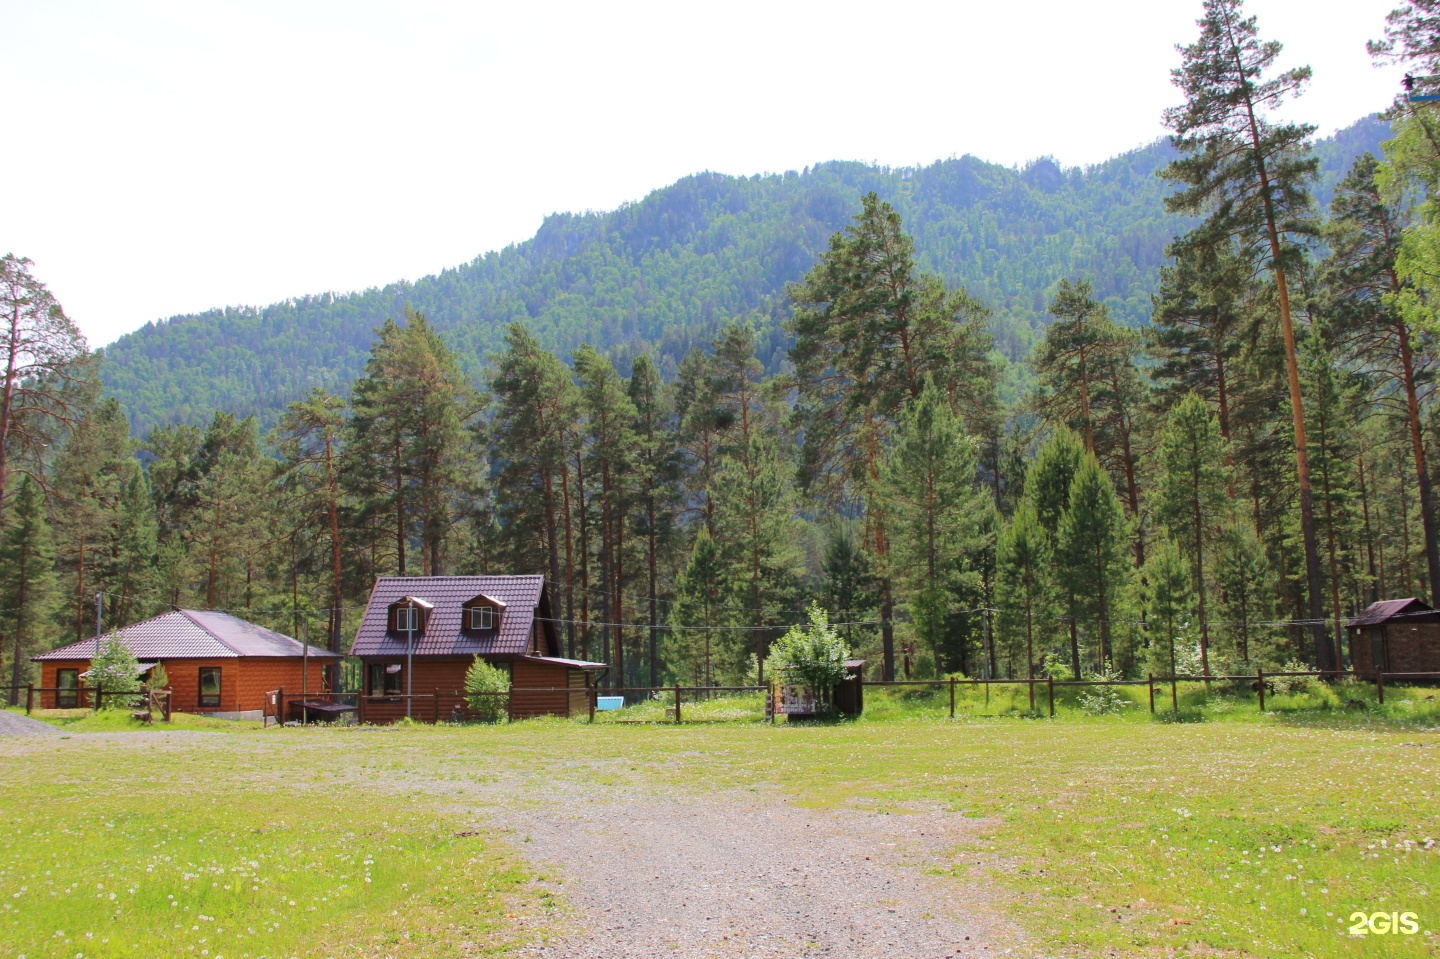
column 482, row 684
column 811, row 655
column 115, row 670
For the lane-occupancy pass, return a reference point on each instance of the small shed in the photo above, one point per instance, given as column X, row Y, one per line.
column 1395, row 636
column 850, row 694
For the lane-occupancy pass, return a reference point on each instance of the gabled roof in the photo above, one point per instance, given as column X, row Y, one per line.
column 1388, row 610
column 521, row 596
column 195, row 634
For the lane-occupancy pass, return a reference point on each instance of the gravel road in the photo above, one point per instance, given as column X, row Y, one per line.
column 749, row 875
column 13, row 724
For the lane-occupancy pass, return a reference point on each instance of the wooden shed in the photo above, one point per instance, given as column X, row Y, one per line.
column 1395, row 636
column 217, row 664
column 420, row 634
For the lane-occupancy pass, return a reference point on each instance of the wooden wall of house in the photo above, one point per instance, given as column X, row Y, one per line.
column 446, row 675
column 539, row 689
column 1409, row 648
column 243, row 681
column 579, row 693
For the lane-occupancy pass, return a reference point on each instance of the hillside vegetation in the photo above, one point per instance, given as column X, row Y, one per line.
column 662, row 274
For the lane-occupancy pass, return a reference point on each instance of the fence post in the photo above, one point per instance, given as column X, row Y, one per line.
column 1150, row 681
column 1380, row 687
column 437, row 707
column 1260, row 687
column 952, row 697
column 594, row 691
column 169, row 694
column 1031, row 683
column 99, row 691
column 677, row 703
column 1174, row 697
column 280, row 706
column 1050, row 682
column 29, row 697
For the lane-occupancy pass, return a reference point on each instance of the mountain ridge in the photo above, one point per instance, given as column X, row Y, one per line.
column 661, row 273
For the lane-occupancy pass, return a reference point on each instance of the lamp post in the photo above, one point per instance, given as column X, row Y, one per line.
column 410, row 617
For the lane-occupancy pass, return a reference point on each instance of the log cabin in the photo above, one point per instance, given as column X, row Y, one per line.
column 419, row 635
column 1395, row 636
column 217, row 664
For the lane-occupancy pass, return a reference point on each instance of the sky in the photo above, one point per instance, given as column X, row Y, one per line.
column 171, row 156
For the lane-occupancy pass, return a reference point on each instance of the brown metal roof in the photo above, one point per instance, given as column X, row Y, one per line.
column 195, row 634
column 1388, row 610
column 522, row 597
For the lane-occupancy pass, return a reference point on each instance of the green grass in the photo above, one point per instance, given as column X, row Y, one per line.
column 118, row 720
column 1233, row 833
column 718, row 707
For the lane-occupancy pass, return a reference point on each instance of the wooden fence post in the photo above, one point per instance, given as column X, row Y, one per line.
column 1050, row 682
column 99, row 691
column 1174, row 697
column 1031, row 683
column 1379, row 688
column 437, row 707
column 29, row 697
column 952, row 697
column 1150, row 681
column 594, row 691
column 1260, row 687
column 280, row 706
column 677, row 703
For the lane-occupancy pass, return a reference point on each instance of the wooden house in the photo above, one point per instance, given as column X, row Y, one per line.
column 216, row 663
column 420, row 634
column 1395, row 636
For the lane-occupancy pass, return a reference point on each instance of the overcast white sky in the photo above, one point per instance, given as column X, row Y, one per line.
column 167, row 156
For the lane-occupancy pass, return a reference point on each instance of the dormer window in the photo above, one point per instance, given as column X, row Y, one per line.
column 408, row 616
column 482, row 614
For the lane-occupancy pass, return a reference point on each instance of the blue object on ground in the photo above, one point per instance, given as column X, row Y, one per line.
column 609, row 702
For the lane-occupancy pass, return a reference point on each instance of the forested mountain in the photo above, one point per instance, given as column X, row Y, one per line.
column 664, row 273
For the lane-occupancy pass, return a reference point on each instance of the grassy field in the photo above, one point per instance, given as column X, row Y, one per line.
column 1231, row 833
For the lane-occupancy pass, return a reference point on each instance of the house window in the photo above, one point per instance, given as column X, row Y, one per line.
column 407, row 619
column 209, row 687
column 385, row 679
column 67, row 695
column 482, row 617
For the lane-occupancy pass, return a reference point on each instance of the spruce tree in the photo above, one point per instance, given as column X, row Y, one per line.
column 1090, row 549
column 1248, row 176
column 27, row 579
column 1168, row 601
column 1047, row 490
column 1190, row 496
column 698, row 611
column 1023, row 581
column 928, row 485
column 1247, row 593
column 657, row 489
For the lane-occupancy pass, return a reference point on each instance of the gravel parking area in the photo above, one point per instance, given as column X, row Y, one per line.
column 13, row 724
column 751, row 876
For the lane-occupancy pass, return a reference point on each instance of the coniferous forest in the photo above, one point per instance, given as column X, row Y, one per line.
column 1171, row 414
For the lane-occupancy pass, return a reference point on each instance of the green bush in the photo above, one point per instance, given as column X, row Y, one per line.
column 483, row 678
column 115, row 670
column 811, row 655
column 159, row 679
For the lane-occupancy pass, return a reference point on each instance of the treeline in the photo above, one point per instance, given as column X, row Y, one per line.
column 1217, row 493
column 662, row 275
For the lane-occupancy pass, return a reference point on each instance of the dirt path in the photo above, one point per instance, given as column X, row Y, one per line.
column 13, row 724
column 748, row 875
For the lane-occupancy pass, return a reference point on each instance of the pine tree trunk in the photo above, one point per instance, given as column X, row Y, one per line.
column 1422, row 473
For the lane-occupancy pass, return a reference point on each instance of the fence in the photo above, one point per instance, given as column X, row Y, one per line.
column 701, row 696
column 89, row 697
column 1259, row 681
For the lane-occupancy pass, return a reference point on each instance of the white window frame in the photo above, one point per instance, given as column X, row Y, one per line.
column 482, row 617
column 407, row 619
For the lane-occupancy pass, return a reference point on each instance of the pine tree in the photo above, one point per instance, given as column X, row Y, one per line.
column 131, row 573
column 1090, row 548
column 27, row 579
column 869, row 327
column 48, row 376
column 1363, row 283
column 310, row 435
column 928, row 484
column 1247, row 595
column 700, row 599
column 657, row 490
column 1190, row 496
column 1249, row 176
column 609, row 422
